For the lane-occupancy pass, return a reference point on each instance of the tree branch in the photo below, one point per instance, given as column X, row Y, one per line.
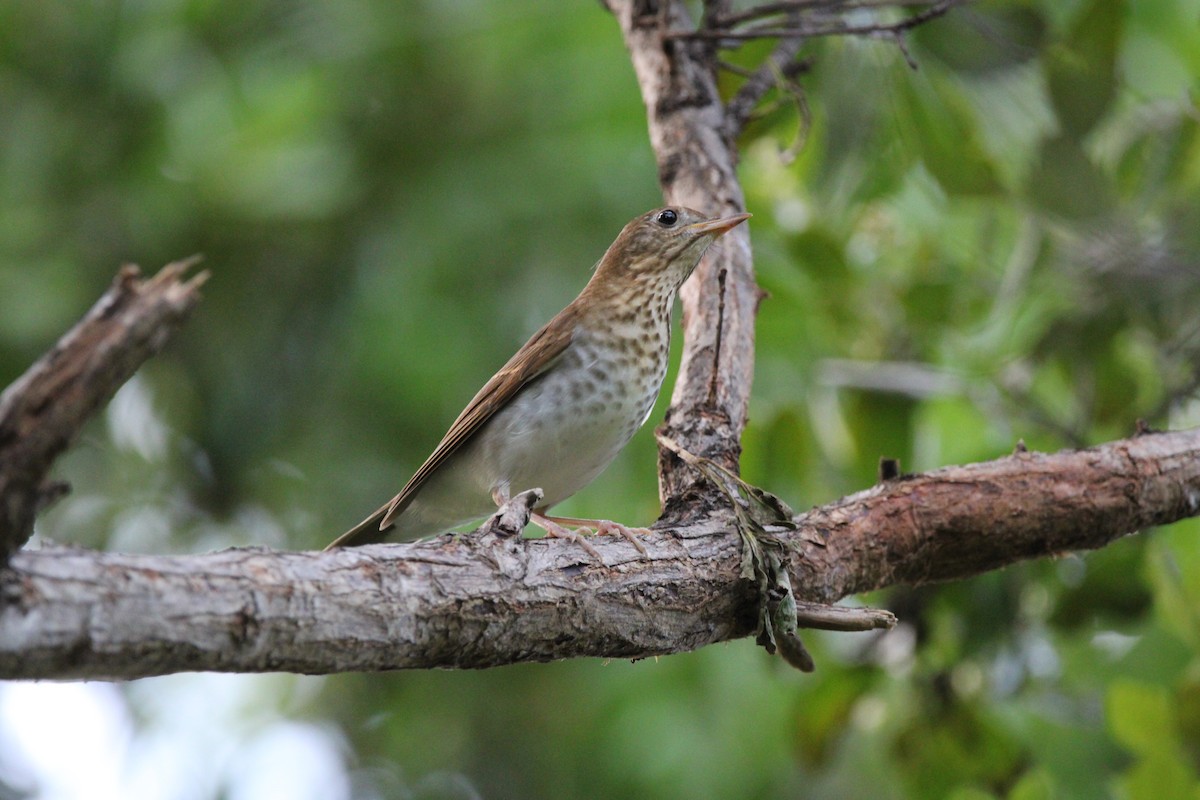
column 44, row 409
column 824, row 27
column 789, row 7
column 697, row 167
column 772, row 72
column 481, row 601
column 693, row 136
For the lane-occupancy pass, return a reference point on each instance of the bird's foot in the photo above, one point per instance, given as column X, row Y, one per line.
column 552, row 528
column 606, row 527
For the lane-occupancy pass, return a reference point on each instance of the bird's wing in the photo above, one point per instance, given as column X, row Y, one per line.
column 542, row 350
column 365, row 532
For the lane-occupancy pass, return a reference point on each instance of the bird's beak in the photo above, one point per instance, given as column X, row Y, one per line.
column 717, row 226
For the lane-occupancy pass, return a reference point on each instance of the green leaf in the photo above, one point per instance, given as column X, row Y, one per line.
column 1140, row 717
column 993, row 37
column 946, row 132
column 1037, row 784
column 1160, row 776
column 1081, row 70
column 1173, row 573
column 1067, row 183
column 969, row 793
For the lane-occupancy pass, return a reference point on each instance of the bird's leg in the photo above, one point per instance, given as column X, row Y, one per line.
column 500, row 496
column 605, row 526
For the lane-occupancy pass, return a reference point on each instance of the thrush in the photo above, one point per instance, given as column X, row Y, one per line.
column 571, row 398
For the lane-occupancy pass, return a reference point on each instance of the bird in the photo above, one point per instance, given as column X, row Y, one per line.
column 568, row 401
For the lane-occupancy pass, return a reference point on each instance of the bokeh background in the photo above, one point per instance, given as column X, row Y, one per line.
column 1001, row 245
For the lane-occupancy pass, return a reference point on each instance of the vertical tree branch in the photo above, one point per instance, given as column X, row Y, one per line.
column 697, row 167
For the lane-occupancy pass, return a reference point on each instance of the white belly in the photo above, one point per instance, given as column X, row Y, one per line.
column 560, row 433
column 557, row 434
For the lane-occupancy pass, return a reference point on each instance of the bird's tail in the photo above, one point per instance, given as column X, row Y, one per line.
column 365, row 532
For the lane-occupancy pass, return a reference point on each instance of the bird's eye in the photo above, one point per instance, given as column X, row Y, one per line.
column 667, row 218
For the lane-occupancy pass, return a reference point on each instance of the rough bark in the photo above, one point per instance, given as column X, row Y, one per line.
column 474, row 602
column 44, row 409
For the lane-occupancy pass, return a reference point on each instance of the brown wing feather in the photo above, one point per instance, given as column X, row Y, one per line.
column 538, row 355
column 534, row 358
column 365, row 532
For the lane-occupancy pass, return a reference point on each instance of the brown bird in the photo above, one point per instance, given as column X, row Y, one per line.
column 562, row 408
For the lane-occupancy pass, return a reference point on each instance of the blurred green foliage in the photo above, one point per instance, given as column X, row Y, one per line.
column 1003, row 244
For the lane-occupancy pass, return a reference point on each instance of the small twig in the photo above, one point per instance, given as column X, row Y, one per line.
column 729, row 66
column 843, row 618
column 796, row 92
column 902, row 46
column 788, row 6
column 741, row 106
column 767, row 10
column 814, row 31
column 909, row 378
column 716, row 372
column 1027, row 405
column 714, row 10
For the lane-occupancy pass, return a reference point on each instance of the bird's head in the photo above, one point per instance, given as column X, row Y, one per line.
column 663, row 246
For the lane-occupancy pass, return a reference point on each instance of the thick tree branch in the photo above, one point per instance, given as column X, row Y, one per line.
column 472, row 601
column 44, row 409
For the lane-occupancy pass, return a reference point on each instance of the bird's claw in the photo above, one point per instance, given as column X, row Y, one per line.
column 607, row 526
column 554, row 527
column 557, row 531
